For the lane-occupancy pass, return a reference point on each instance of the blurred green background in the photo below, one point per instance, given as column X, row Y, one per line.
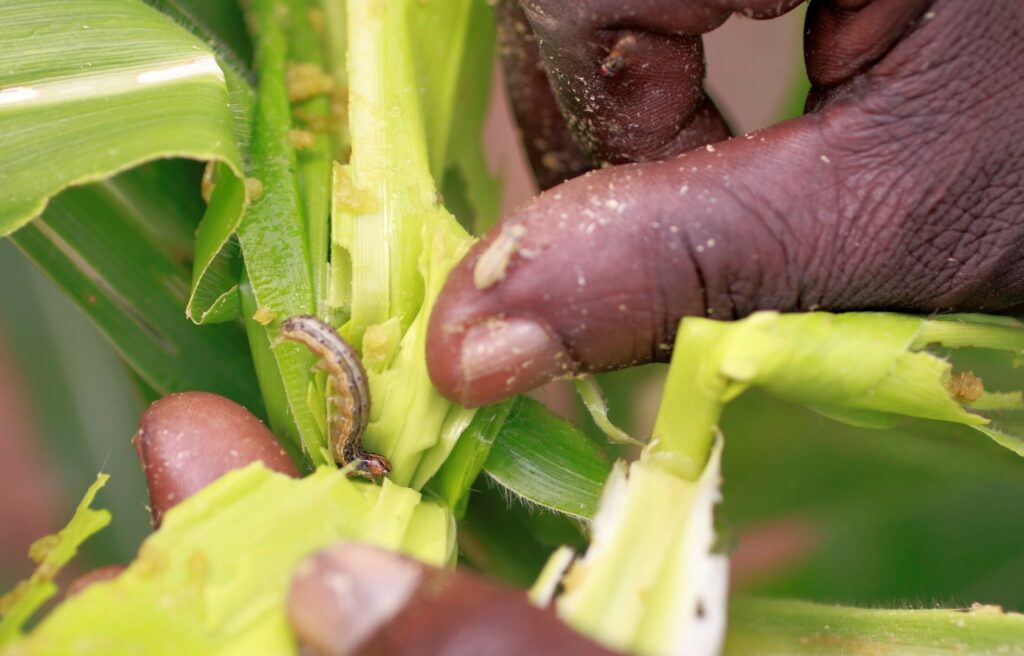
column 83, row 405
column 923, row 515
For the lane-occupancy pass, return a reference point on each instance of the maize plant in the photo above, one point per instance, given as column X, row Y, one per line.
column 341, row 177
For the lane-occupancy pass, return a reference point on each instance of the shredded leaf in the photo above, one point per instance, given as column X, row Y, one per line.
column 393, row 242
column 50, row 553
column 212, row 579
column 650, row 581
column 864, row 368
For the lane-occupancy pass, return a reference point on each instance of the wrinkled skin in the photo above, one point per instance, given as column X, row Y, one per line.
column 902, row 188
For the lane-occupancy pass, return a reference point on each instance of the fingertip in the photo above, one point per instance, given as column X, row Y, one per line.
column 340, row 596
column 495, row 359
column 351, row 598
column 486, row 343
column 187, row 440
column 565, row 292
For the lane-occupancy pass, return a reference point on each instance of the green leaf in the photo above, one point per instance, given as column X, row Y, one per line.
column 453, row 481
column 51, row 554
column 212, row 579
column 470, row 191
column 313, row 116
column 273, row 235
column 543, row 460
column 862, row 367
column 129, row 86
column 795, row 627
column 214, row 296
column 454, row 55
column 134, row 291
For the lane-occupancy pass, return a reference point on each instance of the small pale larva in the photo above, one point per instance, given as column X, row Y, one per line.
column 491, row 266
column 348, row 413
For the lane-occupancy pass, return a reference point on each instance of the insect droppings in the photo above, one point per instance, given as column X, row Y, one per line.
column 965, row 387
column 254, row 187
column 305, row 80
column 348, row 410
column 301, row 139
column 264, row 315
column 491, row 266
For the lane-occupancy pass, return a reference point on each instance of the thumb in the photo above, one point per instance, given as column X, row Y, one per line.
column 901, row 192
column 594, row 274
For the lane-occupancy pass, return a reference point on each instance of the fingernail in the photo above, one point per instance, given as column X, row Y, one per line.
column 501, row 357
column 342, row 595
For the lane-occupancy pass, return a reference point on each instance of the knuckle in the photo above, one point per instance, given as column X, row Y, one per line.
column 930, row 146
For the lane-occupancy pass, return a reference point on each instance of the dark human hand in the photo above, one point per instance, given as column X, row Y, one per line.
column 902, row 188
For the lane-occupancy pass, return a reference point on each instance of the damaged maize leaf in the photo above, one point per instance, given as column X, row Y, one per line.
column 50, row 553
column 212, row 579
column 864, row 368
column 393, row 242
column 652, row 580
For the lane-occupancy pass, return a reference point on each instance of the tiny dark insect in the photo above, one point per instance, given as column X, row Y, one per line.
column 348, row 412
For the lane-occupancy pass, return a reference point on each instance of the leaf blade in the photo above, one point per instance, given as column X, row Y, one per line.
column 127, row 75
column 135, row 292
column 547, row 461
